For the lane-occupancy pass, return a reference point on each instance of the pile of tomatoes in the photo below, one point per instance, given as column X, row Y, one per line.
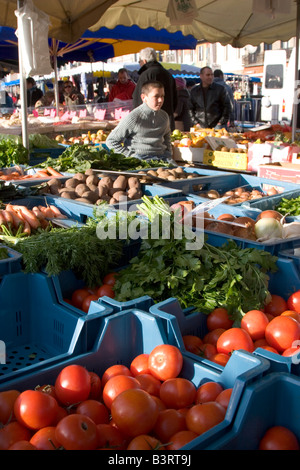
column 145, row 406
column 276, row 328
column 81, row 298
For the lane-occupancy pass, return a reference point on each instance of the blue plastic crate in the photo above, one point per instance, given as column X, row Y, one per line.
column 36, row 330
column 12, row 264
column 271, row 203
column 126, row 334
column 271, row 401
column 225, row 182
column 189, row 321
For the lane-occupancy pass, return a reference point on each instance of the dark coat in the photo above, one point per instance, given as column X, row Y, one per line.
column 153, row 70
column 216, row 110
column 182, row 109
column 33, row 95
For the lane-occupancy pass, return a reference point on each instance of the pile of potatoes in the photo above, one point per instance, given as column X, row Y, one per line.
column 168, row 174
column 92, row 189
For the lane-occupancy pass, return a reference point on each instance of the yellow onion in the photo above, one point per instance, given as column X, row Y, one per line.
column 268, row 228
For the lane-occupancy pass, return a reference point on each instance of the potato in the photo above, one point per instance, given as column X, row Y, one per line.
column 171, row 178
column 120, row 196
column 113, row 201
column 106, row 181
column 83, row 199
column 93, row 187
column 112, row 191
column 104, row 198
column 92, row 180
column 134, row 193
column 81, row 188
column 54, row 185
column 91, row 196
column 80, row 177
column 89, row 172
column 133, row 182
column 120, row 183
column 72, row 183
column 152, row 173
column 102, row 190
column 68, row 194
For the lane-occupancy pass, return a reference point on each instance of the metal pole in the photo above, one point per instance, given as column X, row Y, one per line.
column 295, row 102
column 23, row 88
column 56, row 91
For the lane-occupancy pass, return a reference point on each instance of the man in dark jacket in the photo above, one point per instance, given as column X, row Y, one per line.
column 151, row 70
column 209, row 105
column 33, row 93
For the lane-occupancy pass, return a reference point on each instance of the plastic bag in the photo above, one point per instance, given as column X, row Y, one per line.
column 32, row 32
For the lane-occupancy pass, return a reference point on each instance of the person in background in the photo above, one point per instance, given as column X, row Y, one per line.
column 72, row 97
column 124, row 87
column 219, row 78
column 33, row 92
column 144, row 132
column 48, row 99
column 209, row 103
column 189, row 84
column 151, row 69
column 182, row 117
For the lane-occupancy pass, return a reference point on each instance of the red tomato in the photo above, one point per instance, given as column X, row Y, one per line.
column 73, row 384
column 77, row 432
column 208, row 350
column 117, row 385
column 224, row 397
column 200, row 418
column 180, row 439
column 255, row 322
column 110, row 437
column 49, row 389
column 279, row 438
column 149, row 383
column 112, row 371
column 110, row 279
column 96, row 386
column 177, row 393
column 281, row 332
column 78, row 297
column 234, row 339
column 145, row 442
column 139, row 365
column 192, row 343
column 22, row 445
column 293, row 302
column 87, row 300
column 291, row 313
column 169, row 422
column 269, row 348
column 134, row 412
column 276, row 306
column 208, row 392
column 220, row 358
column 260, row 342
column 165, row 361
column 13, row 432
column 107, row 290
column 219, row 318
column 44, row 439
column 7, row 401
column 212, row 336
column 95, row 410
column 291, row 351
column 35, row 409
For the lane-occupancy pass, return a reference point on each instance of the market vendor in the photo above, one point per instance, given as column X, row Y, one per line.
column 72, row 97
column 145, row 132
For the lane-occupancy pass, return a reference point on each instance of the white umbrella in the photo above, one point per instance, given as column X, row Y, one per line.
column 235, row 22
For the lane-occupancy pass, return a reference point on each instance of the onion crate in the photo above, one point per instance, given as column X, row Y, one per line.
column 124, row 335
column 35, row 330
column 271, row 401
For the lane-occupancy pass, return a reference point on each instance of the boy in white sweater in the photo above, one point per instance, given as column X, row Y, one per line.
column 145, row 132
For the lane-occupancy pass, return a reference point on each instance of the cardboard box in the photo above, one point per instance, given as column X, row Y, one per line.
column 188, row 154
column 283, row 171
column 230, row 160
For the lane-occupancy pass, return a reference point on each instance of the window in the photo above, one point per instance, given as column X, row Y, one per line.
column 200, row 53
column 274, row 76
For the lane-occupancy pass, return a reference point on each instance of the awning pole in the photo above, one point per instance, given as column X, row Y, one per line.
column 296, row 98
column 23, row 88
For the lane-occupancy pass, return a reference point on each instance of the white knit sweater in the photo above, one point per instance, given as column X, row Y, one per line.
column 143, row 133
